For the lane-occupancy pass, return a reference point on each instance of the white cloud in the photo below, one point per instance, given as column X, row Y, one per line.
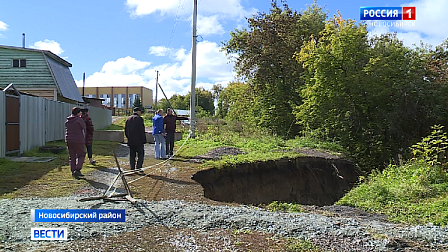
column 230, row 8
column 159, row 50
column 122, row 72
column 211, row 68
column 211, row 13
column 429, row 26
column 144, row 7
column 49, row 45
column 175, row 78
column 127, row 65
column 3, row 26
column 431, row 18
column 209, row 25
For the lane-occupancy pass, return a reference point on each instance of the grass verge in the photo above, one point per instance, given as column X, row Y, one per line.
column 50, row 179
column 414, row 193
column 256, row 147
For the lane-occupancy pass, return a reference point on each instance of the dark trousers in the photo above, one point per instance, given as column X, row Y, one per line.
column 169, row 143
column 89, row 151
column 140, row 151
column 76, row 155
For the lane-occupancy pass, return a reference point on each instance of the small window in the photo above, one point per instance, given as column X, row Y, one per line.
column 19, row 63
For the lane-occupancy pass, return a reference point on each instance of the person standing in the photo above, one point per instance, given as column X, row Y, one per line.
column 89, row 133
column 170, row 127
column 159, row 135
column 75, row 130
column 135, row 132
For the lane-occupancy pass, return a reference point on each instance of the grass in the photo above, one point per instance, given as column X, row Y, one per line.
column 283, row 206
column 256, row 147
column 300, row 245
column 415, row 193
column 119, row 123
column 50, row 179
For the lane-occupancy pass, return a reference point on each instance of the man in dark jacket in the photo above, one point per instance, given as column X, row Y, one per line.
column 170, row 128
column 135, row 132
column 75, row 131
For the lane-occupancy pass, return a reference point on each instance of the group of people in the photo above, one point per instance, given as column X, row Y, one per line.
column 163, row 131
column 78, row 137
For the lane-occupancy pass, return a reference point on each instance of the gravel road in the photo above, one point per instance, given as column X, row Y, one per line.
column 359, row 234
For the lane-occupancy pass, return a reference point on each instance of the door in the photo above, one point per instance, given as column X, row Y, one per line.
column 12, row 124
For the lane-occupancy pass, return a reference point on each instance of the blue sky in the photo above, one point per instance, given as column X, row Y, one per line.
column 123, row 42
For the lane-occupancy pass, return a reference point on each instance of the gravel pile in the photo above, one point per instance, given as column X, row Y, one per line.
column 357, row 234
column 217, row 153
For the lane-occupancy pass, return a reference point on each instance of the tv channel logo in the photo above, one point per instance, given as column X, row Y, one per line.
column 387, row 13
column 49, row 234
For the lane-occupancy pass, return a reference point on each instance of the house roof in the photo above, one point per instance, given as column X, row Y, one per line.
column 46, row 52
column 60, row 71
column 64, row 80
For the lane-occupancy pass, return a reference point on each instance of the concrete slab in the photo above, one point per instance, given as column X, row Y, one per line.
column 150, row 138
column 31, row 159
column 109, row 135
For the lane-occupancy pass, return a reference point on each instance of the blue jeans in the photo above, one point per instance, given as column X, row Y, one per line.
column 159, row 146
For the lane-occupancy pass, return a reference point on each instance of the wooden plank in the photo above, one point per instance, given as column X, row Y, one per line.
column 132, row 200
column 93, row 198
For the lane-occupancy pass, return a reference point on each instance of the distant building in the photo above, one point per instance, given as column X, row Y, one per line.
column 38, row 72
column 119, row 97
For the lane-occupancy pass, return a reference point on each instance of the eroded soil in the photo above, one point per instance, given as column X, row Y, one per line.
column 173, row 181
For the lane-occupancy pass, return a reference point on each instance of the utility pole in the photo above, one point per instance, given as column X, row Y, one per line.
column 157, row 83
column 83, row 83
column 193, row 71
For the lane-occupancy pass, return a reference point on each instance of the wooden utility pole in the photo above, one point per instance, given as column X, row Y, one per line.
column 193, row 71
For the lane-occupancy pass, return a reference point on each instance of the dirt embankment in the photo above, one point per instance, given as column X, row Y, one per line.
column 308, row 180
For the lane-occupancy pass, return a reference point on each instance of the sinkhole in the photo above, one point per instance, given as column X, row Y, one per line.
column 304, row 180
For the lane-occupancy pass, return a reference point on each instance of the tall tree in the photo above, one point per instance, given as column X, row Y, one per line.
column 372, row 95
column 265, row 59
column 239, row 103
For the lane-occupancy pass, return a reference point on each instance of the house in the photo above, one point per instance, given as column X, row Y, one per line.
column 38, row 72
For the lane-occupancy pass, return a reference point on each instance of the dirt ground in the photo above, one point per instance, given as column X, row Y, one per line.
column 173, row 181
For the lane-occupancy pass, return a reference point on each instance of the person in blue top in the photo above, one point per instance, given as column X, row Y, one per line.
column 159, row 135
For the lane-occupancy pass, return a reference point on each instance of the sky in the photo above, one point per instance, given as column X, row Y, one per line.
column 124, row 42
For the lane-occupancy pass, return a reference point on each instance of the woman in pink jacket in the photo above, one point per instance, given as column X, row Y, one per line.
column 75, row 131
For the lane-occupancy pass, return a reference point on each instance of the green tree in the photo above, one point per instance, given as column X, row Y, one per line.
column 263, row 56
column 163, row 104
column 217, row 91
column 372, row 95
column 238, row 103
column 205, row 100
column 138, row 103
column 204, row 97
